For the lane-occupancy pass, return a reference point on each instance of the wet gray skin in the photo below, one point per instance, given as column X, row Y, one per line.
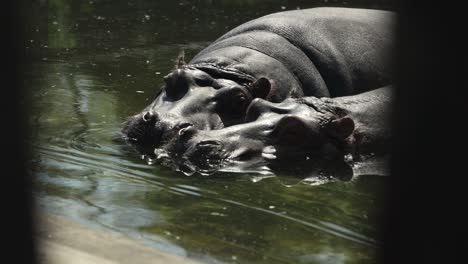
column 314, row 52
column 294, row 130
column 191, row 98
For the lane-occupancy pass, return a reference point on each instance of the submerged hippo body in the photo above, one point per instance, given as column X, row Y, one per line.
column 296, row 129
column 317, row 52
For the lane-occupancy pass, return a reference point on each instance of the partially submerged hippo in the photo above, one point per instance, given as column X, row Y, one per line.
column 316, row 129
column 315, row 52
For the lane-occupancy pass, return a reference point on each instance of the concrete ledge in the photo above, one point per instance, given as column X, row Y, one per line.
column 60, row 240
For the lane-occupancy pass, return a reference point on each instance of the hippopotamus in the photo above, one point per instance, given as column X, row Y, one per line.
column 307, row 128
column 319, row 52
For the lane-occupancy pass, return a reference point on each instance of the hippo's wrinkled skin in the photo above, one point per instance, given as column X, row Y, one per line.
column 295, row 129
column 320, row 52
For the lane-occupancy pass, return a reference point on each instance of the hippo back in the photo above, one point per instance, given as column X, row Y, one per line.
column 315, row 52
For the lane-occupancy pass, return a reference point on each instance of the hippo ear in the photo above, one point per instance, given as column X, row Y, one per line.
column 260, row 88
column 180, row 61
column 291, row 130
column 341, row 128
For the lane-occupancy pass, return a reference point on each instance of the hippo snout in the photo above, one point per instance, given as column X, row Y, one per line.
column 206, row 155
column 147, row 131
column 208, row 149
column 143, row 131
column 209, row 145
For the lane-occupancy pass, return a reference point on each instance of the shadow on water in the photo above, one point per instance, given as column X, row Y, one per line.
column 97, row 62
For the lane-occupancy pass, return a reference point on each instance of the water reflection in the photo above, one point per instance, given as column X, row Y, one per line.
column 105, row 62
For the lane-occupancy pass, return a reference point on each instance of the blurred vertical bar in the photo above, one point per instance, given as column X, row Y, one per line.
column 426, row 221
column 16, row 197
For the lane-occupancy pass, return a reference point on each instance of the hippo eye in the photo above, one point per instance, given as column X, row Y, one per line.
column 202, row 82
column 232, row 101
column 174, row 92
column 202, row 79
column 240, row 98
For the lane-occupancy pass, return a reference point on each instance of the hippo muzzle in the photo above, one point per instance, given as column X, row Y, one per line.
column 191, row 98
column 146, row 132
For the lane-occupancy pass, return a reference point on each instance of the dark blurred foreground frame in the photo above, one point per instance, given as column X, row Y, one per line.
column 428, row 194
column 15, row 198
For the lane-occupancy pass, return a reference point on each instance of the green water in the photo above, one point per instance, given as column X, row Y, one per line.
column 96, row 62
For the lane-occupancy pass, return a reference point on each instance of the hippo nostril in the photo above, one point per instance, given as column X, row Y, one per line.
column 207, row 143
column 184, row 125
column 149, row 116
column 146, row 116
column 187, row 132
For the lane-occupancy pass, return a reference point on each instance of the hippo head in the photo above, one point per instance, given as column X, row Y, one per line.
column 202, row 97
column 288, row 131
